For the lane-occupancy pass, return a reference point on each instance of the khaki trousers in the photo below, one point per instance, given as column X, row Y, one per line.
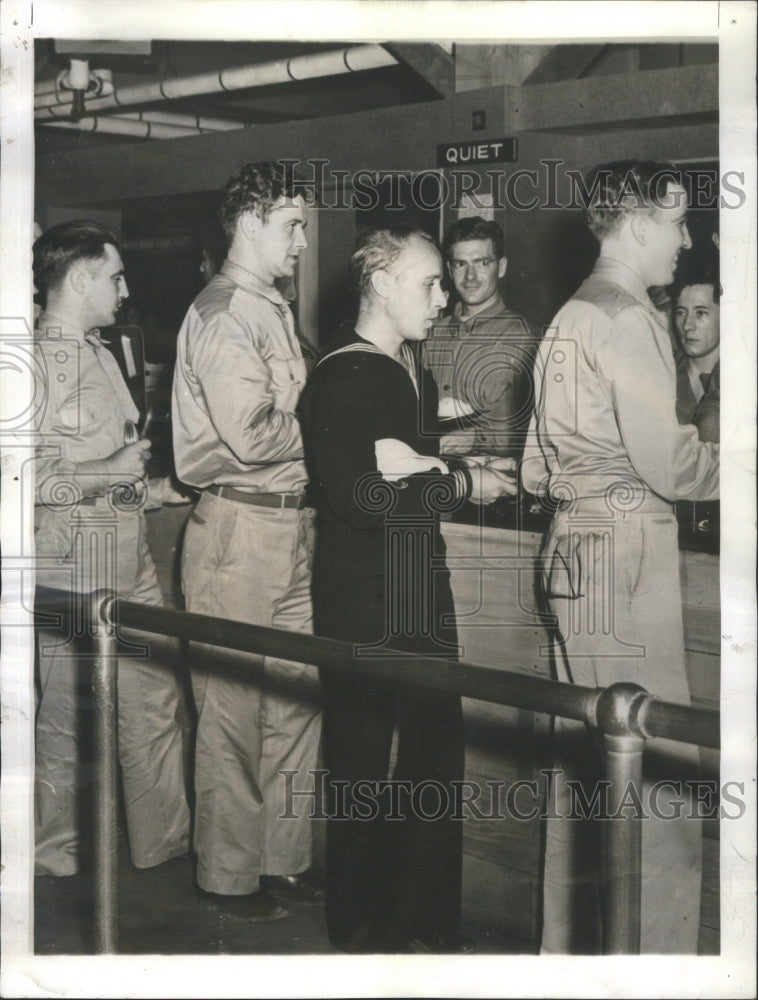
column 111, row 551
column 251, row 564
column 612, row 581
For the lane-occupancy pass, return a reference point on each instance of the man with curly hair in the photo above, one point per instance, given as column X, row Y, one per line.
column 247, row 551
column 606, row 448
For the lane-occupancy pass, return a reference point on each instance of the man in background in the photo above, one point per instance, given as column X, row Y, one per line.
column 696, row 312
column 482, row 355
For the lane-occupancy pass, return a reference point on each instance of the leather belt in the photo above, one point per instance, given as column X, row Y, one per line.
column 291, row 501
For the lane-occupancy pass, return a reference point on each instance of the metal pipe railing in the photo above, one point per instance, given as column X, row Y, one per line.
column 104, row 691
column 624, row 714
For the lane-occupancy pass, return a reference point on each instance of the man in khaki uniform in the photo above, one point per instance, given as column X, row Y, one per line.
column 247, row 551
column 90, row 534
column 605, row 445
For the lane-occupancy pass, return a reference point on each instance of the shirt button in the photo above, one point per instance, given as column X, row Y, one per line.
column 446, row 387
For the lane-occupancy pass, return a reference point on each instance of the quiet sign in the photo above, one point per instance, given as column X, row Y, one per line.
column 458, row 154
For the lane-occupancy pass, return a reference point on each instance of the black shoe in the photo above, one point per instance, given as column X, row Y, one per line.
column 254, row 907
column 302, row 888
column 441, row 943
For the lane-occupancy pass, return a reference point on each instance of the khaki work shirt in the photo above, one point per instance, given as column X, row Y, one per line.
column 82, row 401
column 81, row 407
column 238, row 377
column 484, row 362
column 605, row 391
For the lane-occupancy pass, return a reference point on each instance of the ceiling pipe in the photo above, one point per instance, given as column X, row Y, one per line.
column 352, row 59
column 100, row 84
column 77, row 80
column 114, row 125
column 191, row 121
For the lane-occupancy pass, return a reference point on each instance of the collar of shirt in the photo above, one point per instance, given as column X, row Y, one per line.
column 50, row 326
column 252, row 283
column 619, row 273
column 94, row 338
column 496, row 309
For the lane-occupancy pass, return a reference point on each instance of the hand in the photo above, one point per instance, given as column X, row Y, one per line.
column 489, row 484
column 501, row 464
column 128, row 462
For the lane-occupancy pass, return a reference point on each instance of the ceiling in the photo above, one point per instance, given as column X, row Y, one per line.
column 413, row 74
column 299, row 80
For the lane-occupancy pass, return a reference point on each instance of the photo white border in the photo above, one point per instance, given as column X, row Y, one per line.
column 732, row 974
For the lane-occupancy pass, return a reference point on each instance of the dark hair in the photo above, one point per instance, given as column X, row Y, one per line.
column 255, row 187
column 56, row 250
column 615, row 190
column 696, row 268
column 379, row 250
column 474, row 228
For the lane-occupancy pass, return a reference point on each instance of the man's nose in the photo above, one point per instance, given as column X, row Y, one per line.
column 440, row 298
column 302, row 239
column 124, row 289
column 688, row 325
column 686, row 239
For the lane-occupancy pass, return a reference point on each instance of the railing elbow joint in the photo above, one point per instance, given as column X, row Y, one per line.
column 619, row 711
column 101, row 608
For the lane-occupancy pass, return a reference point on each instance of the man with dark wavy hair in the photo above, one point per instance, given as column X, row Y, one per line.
column 695, row 297
column 606, row 448
column 481, row 355
column 90, row 533
column 247, row 551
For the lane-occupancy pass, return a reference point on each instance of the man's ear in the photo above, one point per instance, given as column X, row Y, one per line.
column 380, row 281
column 638, row 225
column 502, row 264
column 250, row 224
column 78, row 278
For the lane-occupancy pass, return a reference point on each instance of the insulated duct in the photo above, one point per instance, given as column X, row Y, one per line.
column 115, row 125
column 187, row 121
column 352, row 59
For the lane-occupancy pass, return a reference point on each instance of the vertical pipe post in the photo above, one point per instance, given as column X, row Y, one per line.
column 622, row 846
column 104, row 690
column 616, row 713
